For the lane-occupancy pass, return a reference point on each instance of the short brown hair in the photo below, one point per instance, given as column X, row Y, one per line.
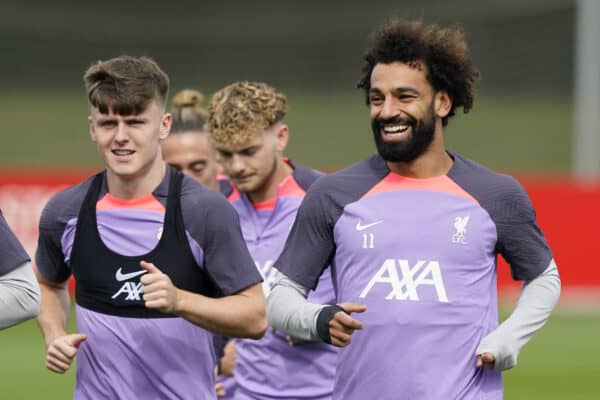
column 126, row 85
column 242, row 110
column 444, row 52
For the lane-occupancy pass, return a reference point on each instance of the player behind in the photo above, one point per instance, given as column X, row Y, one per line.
column 412, row 234
column 19, row 291
column 159, row 260
column 246, row 124
column 187, row 147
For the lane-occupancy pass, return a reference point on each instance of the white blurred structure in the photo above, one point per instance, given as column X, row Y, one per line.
column 586, row 135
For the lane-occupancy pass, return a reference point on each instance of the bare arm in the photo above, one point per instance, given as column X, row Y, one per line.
column 19, row 296
column 61, row 347
column 241, row 314
column 500, row 349
column 54, row 311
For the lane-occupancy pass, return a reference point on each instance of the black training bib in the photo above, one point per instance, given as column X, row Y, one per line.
column 109, row 283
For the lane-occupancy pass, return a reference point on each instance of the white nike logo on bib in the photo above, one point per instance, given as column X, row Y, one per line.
column 360, row 227
column 120, row 276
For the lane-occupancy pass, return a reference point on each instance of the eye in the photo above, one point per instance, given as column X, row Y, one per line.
column 108, row 124
column 197, row 168
column 224, row 154
column 249, row 152
column 406, row 98
column 376, row 100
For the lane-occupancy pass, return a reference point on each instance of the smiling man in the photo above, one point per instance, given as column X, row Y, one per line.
column 159, row 260
column 412, row 234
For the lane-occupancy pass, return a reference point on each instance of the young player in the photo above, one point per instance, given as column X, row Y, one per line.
column 247, row 128
column 159, row 260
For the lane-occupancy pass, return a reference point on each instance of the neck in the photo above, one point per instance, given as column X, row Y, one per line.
column 435, row 161
column 140, row 185
column 214, row 185
column 269, row 188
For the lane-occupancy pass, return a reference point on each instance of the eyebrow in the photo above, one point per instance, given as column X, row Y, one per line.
column 405, row 90
column 249, row 148
column 396, row 91
column 245, row 149
column 130, row 118
column 197, row 162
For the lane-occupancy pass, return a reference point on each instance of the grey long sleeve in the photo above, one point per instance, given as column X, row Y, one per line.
column 537, row 299
column 19, row 296
column 289, row 311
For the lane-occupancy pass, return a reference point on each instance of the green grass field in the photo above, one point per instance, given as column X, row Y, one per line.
column 559, row 363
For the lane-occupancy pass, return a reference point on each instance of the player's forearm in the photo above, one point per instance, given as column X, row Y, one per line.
column 238, row 315
column 54, row 311
column 19, row 296
column 289, row 311
column 537, row 300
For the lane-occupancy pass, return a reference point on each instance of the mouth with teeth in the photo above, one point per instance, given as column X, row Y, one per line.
column 123, row 154
column 396, row 129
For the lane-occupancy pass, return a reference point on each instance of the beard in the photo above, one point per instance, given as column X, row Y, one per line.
column 421, row 136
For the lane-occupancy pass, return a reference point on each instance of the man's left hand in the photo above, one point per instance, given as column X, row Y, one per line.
column 159, row 291
column 487, row 359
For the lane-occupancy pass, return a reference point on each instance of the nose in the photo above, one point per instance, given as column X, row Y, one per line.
column 388, row 109
column 237, row 164
column 121, row 135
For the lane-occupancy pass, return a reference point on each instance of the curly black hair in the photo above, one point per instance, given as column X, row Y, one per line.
column 443, row 51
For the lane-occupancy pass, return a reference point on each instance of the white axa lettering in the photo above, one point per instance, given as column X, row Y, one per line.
column 268, row 273
column 132, row 289
column 405, row 287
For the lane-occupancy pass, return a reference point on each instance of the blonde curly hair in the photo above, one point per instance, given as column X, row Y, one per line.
column 242, row 110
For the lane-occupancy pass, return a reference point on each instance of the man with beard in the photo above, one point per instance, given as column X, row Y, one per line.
column 412, row 235
column 246, row 124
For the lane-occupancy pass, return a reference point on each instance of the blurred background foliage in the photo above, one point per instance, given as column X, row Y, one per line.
column 310, row 50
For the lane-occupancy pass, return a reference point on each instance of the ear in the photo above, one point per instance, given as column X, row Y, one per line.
column 282, row 135
column 442, row 103
column 165, row 126
column 91, row 128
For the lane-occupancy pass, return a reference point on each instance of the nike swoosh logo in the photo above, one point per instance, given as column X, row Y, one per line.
column 360, row 227
column 120, row 276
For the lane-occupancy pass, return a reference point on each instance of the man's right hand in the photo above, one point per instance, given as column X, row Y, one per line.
column 61, row 352
column 342, row 325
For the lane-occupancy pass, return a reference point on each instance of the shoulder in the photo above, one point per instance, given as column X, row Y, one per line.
column 351, row 183
column 64, row 205
column 193, row 193
column 500, row 194
column 304, row 176
column 225, row 186
column 199, row 202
